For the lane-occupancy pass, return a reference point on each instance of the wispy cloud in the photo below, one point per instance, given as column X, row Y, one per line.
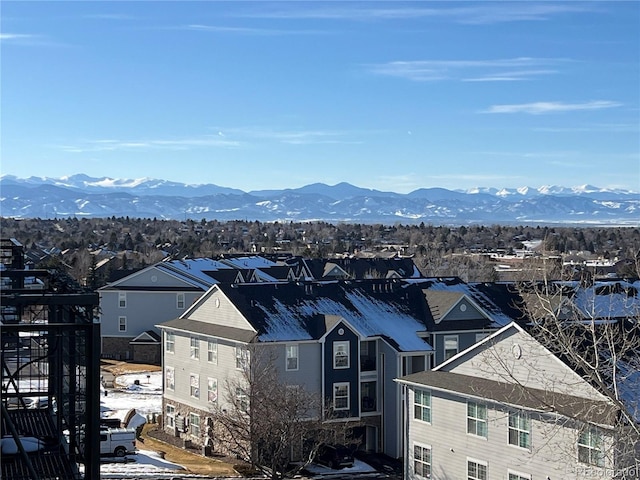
column 245, row 30
column 541, row 108
column 291, row 137
column 508, row 69
column 29, row 40
column 529, row 155
column 485, row 13
column 107, row 145
column 21, row 39
column 605, row 127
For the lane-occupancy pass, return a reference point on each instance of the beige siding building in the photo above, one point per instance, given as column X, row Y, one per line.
column 507, row 408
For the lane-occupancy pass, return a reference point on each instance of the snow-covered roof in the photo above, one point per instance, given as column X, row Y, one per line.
column 485, row 296
column 294, row 312
column 194, row 269
column 248, row 262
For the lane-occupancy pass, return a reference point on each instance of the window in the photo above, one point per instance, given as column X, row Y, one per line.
column 422, row 405
column 518, row 476
column 194, row 424
column 122, row 324
column 180, row 301
column 292, row 357
column 590, row 447
column 170, row 411
column 241, row 357
column 368, row 396
column 450, row 346
column 341, row 396
column 212, row 351
column 194, row 382
column 422, row 460
column 242, row 400
column 195, row 348
column 477, row 419
column 340, row 354
column 212, row 390
column 368, row 355
column 170, row 342
column 476, row 470
column 169, row 378
column 122, row 299
column 519, row 430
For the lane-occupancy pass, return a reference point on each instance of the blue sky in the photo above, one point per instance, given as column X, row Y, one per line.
column 387, row 95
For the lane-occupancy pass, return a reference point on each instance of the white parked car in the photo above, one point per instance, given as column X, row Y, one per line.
column 117, row 441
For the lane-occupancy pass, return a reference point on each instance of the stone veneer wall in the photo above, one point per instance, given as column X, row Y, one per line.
column 117, row 348
column 146, row 353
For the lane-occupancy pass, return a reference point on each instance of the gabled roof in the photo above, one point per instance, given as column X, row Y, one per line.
column 532, row 399
column 364, row 268
column 627, row 370
column 482, row 297
column 441, row 302
column 147, row 337
column 208, row 329
column 297, row 311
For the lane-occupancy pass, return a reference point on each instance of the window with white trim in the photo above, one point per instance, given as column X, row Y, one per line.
column 341, row 354
column 170, row 342
column 194, row 384
column 590, row 447
column 292, row 357
column 122, row 299
column 180, row 303
column 170, row 413
column 450, row 346
column 341, row 396
column 422, row 460
column 477, row 419
column 212, row 351
column 194, row 424
column 242, row 400
column 518, row 476
column 122, row 324
column 422, row 405
column 169, row 378
column 241, row 357
column 476, row 470
column 212, row 390
column 195, row 348
column 519, row 430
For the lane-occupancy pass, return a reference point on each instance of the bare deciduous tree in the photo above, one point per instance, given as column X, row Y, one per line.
column 266, row 422
column 594, row 328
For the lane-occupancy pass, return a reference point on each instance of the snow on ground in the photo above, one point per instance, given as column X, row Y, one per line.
column 358, row 467
column 146, row 397
column 144, row 464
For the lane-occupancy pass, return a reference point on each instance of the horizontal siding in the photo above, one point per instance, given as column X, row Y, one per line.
column 224, row 371
column 553, row 452
column 464, row 310
column 216, row 308
column 144, row 310
column 536, row 367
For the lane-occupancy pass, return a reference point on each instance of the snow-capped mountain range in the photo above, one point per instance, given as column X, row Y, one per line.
column 84, row 196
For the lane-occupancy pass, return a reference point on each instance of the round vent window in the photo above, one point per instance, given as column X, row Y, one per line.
column 463, row 307
column 516, row 350
column 341, row 331
column 154, row 278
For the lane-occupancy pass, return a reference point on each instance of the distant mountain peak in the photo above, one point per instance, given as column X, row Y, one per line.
column 82, row 195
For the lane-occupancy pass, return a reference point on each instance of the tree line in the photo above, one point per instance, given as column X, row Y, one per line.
column 437, row 249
